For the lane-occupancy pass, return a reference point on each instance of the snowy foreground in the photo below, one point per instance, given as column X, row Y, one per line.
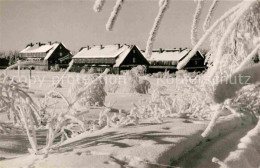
column 145, row 145
column 176, row 142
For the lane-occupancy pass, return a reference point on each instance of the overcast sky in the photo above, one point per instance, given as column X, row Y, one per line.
column 76, row 24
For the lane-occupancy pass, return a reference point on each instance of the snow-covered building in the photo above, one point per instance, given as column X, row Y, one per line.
column 49, row 54
column 162, row 60
column 115, row 57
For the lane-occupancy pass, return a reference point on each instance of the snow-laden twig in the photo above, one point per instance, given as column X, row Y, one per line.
column 226, row 35
column 196, row 19
column 210, row 14
column 56, row 85
column 209, row 129
column 65, row 73
column 207, row 34
column 31, row 136
column 114, row 14
column 98, row 5
column 248, row 59
column 149, row 45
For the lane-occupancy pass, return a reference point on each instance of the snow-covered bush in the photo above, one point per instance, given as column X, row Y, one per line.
column 134, row 84
column 82, row 71
column 62, row 70
column 95, row 94
column 157, row 75
column 55, row 68
column 143, row 86
column 91, row 71
column 22, row 110
column 19, row 107
column 112, row 88
column 141, row 69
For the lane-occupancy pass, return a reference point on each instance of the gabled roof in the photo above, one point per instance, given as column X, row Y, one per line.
column 38, row 49
column 44, row 48
column 168, row 55
column 54, row 46
column 122, row 56
column 106, row 51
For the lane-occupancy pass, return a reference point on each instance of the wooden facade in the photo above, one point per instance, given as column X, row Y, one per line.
column 167, row 60
column 196, row 63
column 114, row 57
column 48, row 54
column 4, row 63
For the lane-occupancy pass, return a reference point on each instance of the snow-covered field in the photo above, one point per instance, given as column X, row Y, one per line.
column 172, row 141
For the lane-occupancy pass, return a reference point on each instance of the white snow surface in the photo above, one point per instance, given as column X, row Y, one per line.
column 247, row 153
column 45, row 48
column 168, row 55
column 106, row 51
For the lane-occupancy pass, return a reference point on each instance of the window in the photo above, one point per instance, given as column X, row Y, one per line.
column 134, row 51
column 134, row 60
column 60, row 54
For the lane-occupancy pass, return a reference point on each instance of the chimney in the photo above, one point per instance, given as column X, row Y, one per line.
column 40, row 44
column 50, row 42
column 30, row 44
column 119, row 46
column 161, row 50
column 101, row 47
column 88, row 47
column 180, row 49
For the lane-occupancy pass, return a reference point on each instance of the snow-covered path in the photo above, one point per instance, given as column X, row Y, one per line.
column 201, row 156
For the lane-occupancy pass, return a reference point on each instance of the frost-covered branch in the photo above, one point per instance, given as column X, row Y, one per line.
column 196, row 19
column 248, row 59
column 226, row 35
column 228, row 88
column 149, row 45
column 207, row 34
column 209, row 129
column 114, row 14
column 210, row 14
column 98, row 5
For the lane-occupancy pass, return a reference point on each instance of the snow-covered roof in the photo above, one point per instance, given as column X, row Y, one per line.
column 54, row 46
column 38, row 49
column 168, row 55
column 43, row 48
column 122, row 57
column 106, row 51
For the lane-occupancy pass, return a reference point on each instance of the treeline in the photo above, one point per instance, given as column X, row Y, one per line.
column 8, row 58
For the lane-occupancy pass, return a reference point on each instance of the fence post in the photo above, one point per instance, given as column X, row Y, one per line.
column 19, row 69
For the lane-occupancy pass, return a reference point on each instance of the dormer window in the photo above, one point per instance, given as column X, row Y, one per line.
column 60, row 54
